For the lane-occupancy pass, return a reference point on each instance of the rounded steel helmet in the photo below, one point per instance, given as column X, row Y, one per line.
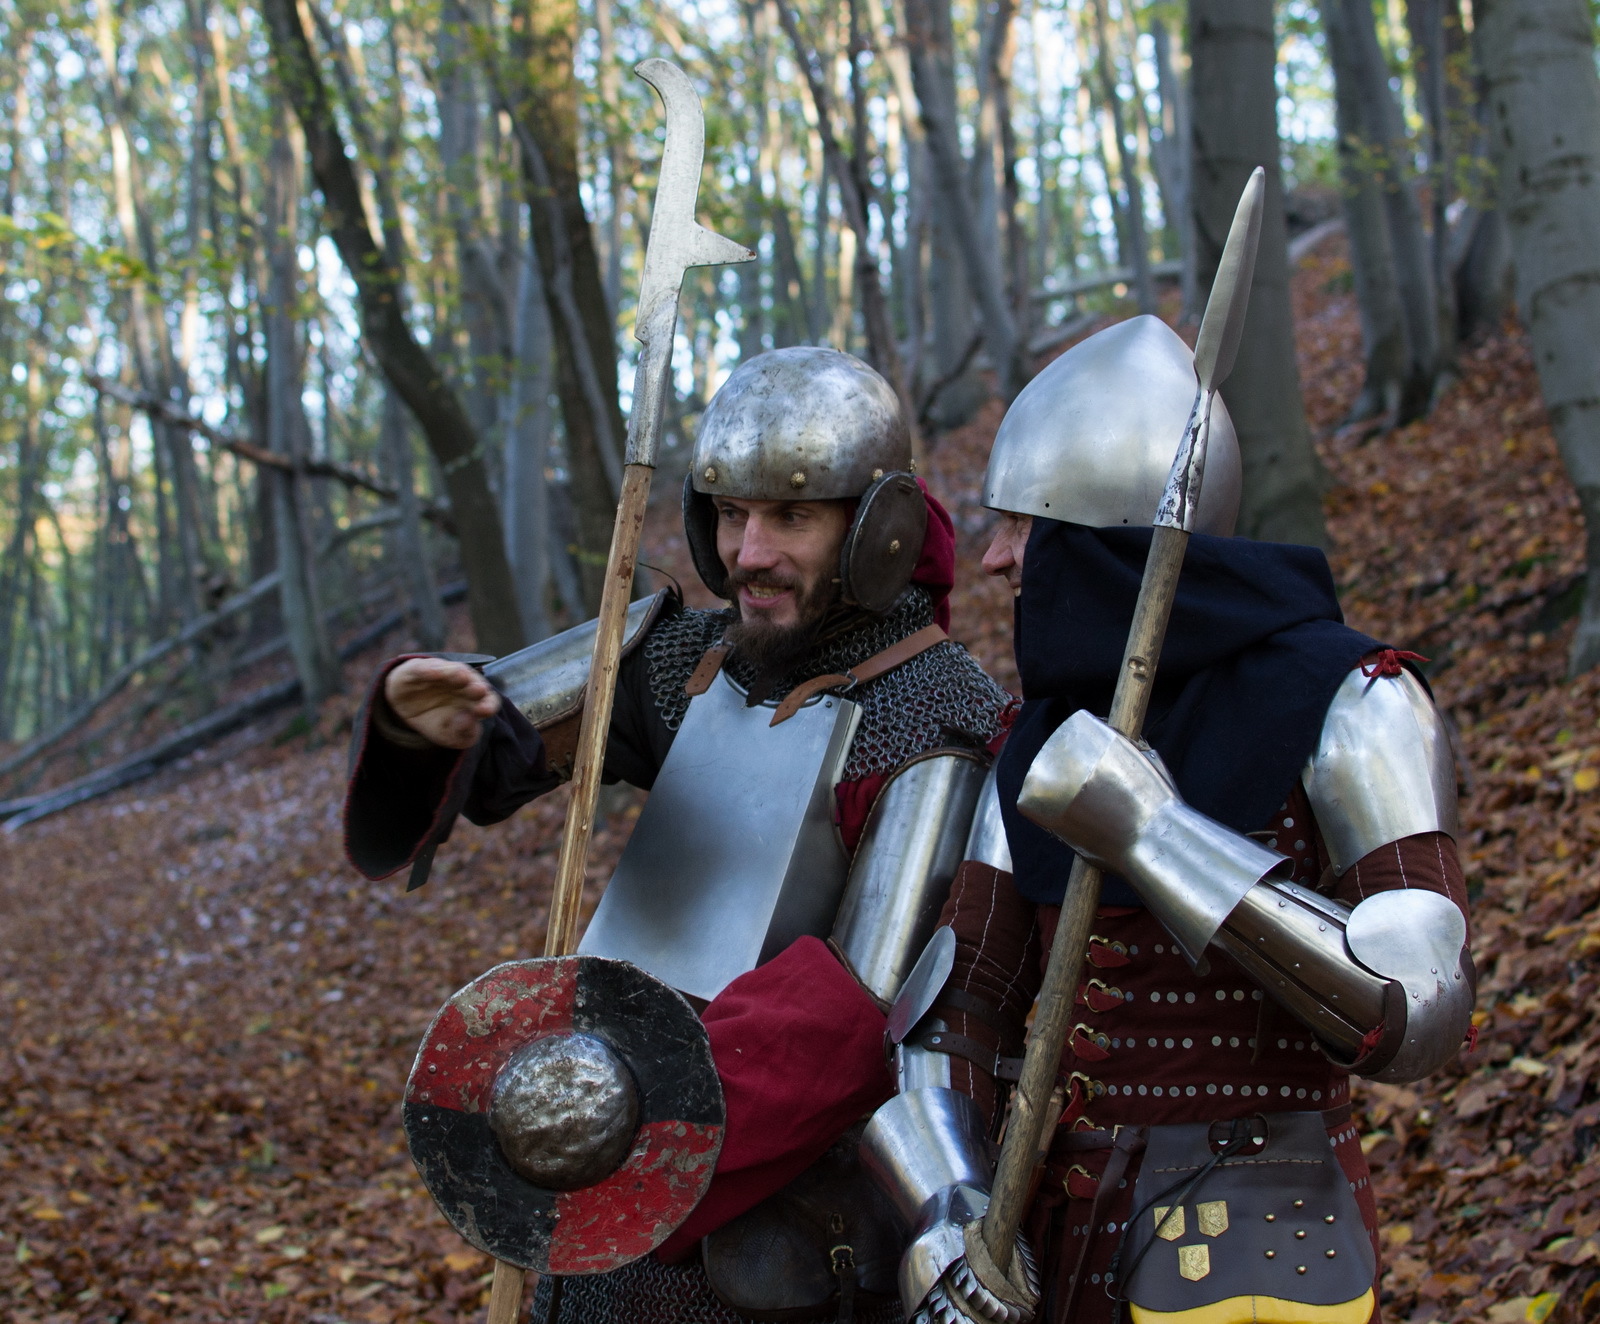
column 1091, row 439
column 811, row 424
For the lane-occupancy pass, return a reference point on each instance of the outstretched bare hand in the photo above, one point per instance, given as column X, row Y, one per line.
column 445, row 702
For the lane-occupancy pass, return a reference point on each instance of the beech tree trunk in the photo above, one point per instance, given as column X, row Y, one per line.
column 544, row 106
column 485, row 306
column 1544, row 101
column 1383, row 335
column 1172, row 158
column 527, row 498
column 1435, row 28
column 1387, row 151
column 1481, row 267
column 410, row 547
column 852, row 173
column 1006, row 351
column 299, row 599
column 1138, row 255
column 147, row 332
column 409, row 367
column 1235, row 98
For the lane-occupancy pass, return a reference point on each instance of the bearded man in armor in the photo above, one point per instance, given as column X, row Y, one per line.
column 813, row 752
column 1282, row 906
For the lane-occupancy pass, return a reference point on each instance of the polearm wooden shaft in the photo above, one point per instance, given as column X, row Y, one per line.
column 1053, row 1018
column 596, row 723
column 677, row 242
column 1216, row 347
column 505, row 1297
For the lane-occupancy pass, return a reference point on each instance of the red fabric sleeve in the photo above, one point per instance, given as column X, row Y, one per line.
column 1427, row 861
column 799, row 1049
column 852, row 802
column 936, row 567
column 998, row 959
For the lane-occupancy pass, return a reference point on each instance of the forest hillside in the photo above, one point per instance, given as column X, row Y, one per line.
column 209, row 1017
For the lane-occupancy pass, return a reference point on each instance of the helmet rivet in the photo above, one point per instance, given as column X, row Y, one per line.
column 797, row 479
column 894, row 547
column 877, row 474
column 711, row 473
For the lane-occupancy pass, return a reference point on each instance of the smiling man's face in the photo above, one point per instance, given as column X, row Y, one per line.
column 782, row 559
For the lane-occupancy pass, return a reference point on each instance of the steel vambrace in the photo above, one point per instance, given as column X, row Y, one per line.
column 1387, row 986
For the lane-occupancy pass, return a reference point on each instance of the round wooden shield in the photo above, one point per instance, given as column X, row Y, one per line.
column 623, row 1216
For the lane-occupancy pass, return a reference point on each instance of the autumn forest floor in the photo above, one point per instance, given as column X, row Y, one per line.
column 209, row 1017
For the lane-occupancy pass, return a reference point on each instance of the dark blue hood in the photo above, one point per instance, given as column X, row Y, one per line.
column 1255, row 649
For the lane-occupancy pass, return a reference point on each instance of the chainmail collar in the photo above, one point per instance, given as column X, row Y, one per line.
column 939, row 698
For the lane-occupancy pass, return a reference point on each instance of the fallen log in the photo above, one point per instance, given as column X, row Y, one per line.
column 83, row 713
column 186, row 740
column 193, row 737
column 80, row 715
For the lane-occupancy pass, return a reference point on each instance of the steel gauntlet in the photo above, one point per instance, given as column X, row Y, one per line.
column 1387, row 986
column 927, row 1149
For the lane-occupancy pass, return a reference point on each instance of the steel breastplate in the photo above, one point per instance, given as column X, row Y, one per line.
column 735, row 854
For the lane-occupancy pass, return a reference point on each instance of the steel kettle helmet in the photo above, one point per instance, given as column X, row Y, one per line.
column 1091, row 439
column 811, row 424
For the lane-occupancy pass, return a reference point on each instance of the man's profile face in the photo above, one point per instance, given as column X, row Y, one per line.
column 1006, row 550
column 782, row 559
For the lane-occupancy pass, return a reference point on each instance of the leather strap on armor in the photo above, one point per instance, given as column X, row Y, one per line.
column 1008, row 1028
column 1126, row 1141
column 871, row 669
column 982, row 1057
column 701, row 677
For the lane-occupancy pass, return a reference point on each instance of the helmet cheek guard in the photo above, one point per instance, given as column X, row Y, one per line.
column 884, row 542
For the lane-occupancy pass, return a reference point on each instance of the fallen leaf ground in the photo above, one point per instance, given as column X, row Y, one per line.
column 209, row 1017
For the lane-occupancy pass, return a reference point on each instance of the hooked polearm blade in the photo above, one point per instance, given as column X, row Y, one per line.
column 677, row 242
column 1215, row 349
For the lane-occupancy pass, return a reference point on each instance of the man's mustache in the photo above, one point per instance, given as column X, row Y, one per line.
column 764, row 579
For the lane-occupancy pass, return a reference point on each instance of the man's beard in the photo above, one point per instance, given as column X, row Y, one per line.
column 772, row 648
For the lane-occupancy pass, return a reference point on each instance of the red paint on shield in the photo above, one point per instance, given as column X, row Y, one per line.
column 473, row 1034
column 614, row 1222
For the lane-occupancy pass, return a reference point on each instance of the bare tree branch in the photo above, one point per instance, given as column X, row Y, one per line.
column 351, row 475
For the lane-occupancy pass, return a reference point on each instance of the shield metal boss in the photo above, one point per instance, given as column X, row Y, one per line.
column 662, row 1056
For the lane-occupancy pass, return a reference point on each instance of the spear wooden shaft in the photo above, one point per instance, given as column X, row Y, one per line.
column 1215, row 350
column 677, row 242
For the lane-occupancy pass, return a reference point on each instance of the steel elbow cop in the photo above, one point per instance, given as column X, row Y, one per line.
column 1386, row 985
column 811, row 424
